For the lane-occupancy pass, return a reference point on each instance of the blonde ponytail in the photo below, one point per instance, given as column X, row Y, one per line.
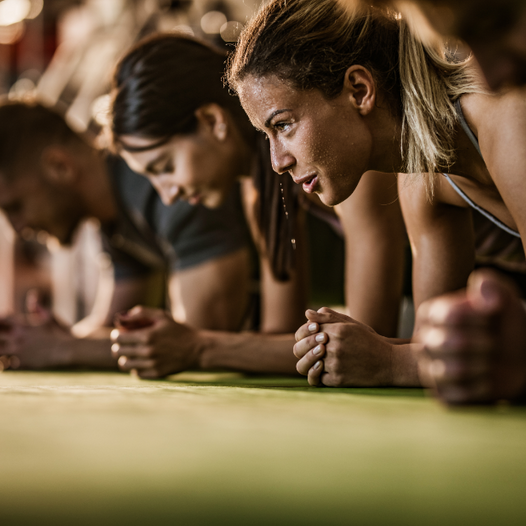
column 431, row 83
column 312, row 43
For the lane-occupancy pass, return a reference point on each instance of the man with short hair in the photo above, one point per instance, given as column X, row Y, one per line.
column 52, row 178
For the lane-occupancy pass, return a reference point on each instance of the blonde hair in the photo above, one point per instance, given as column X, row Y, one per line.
column 311, row 44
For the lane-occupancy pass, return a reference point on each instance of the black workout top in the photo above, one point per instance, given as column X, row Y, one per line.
column 495, row 243
column 148, row 235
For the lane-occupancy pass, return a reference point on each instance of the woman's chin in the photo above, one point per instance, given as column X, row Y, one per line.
column 213, row 199
column 329, row 200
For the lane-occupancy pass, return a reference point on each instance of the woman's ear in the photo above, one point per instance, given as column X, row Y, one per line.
column 58, row 165
column 214, row 119
column 360, row 87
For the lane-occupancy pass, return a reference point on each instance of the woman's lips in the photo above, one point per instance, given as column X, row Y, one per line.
column 195, row 199
column 309, row 184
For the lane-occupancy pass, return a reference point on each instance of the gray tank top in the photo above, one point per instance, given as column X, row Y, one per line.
column 460, row 192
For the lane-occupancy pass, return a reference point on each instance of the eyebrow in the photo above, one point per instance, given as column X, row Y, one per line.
column 277, row 112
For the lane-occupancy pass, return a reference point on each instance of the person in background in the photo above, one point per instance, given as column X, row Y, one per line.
column 52, row 178
column 344, row 93
column 174, row 121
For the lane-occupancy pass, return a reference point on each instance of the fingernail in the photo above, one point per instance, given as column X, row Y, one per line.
column 115, row 348
column 313, row 327
column 317, row 365
column 320, row 337
column 317, row 349
column 122, row 360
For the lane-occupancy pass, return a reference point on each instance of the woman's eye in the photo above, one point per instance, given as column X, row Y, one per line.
column 281, row 126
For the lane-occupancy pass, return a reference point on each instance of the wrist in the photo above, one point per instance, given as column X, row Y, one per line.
column 205, row 347
column 404, row 365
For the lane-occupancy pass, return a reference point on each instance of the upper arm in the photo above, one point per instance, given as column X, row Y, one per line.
column 441, row 237
column 375, row 243
column 502, row 141
column 282, row 303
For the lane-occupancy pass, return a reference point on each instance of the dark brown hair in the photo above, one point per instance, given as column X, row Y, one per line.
column 161, row 82
column 26, row 128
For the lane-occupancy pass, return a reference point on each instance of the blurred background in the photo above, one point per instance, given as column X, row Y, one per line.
column 64, row 51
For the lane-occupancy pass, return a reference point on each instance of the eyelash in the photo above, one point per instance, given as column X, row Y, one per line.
column 281, row 126
column 167, row 168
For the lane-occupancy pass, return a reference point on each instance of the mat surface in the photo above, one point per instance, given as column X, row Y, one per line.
column 223, row 449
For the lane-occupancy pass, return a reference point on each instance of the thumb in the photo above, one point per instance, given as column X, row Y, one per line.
column 137, row 318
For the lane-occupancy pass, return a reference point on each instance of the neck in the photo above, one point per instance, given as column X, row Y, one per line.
column 386, row 154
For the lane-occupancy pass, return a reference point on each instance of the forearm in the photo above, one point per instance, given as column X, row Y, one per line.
column 93, row 352
column 404, row 363
column 248, row 352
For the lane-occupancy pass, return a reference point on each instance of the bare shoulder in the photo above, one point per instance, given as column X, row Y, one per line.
column 494, row 116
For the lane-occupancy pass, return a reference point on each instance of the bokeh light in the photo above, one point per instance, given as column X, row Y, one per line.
column 230, row 31
column 212, row 22
column 13, row 11
column 12, row 34
column 36, row 9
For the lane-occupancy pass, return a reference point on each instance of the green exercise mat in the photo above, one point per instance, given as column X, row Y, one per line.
column 226, row 449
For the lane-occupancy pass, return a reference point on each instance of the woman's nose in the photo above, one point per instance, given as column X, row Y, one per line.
column 282, row 160
column 167, row 192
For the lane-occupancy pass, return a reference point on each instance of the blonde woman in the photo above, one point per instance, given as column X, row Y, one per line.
column 174, row 121
column 338, row 95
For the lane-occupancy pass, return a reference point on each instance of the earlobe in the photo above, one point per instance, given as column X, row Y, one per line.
column 360, row 86
column 221, row 130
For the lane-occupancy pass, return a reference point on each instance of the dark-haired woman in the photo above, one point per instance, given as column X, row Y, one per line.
column 174, row 121
column 340, row 94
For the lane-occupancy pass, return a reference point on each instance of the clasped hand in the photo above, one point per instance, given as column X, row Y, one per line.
column 473, row 342
column 150, row 342
column 337, row 351
column 27, row 344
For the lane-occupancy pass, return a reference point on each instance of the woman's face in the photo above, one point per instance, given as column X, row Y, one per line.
column 323, row 144
column 199, row 168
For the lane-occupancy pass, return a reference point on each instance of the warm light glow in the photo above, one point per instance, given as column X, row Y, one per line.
column 13, row 11
column 230, row 31
column 11, row 34
column 100, row 110
column 212, row 21
column 36, row 9
column 23, row 87
column 183, row 29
